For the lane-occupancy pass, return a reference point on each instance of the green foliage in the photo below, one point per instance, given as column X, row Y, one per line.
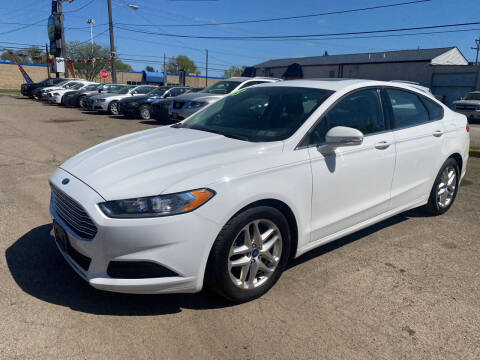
column 149, row 68
column 233, row 71
column 182, row 62
column 31, row 55
column 83, row 55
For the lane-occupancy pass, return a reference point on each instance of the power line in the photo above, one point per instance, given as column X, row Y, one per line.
column 292, row 17
column 23, row 27
column 303, row 36
column 80, row 8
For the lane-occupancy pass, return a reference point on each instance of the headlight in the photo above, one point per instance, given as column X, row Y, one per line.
column 197, row 104
column 102, row 100
column 56, row 94
column 154, row 206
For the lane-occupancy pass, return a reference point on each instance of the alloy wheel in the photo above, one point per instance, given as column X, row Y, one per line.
column 446, row 187
column 255, row 254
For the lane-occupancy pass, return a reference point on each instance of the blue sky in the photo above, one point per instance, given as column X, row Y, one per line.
column 144, row 49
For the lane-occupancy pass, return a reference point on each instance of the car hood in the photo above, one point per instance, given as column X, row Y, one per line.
column 210, row 98
column 111, row 95
column 190, row 96
column 165, row 159
column 136, row 98
column 50, row 88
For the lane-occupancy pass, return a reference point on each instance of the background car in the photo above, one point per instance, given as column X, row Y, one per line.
column 42, row 93
column 109, row 102
column 142, row 105
column 469, row 106
column 104, row 89
column 28, row 89
column 73, row 97
column 56, row 96
column 185, row 105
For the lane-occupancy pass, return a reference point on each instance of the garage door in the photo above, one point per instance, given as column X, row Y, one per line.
column 453, row 86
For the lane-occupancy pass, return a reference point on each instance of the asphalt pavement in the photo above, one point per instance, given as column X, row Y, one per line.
column 406, row 288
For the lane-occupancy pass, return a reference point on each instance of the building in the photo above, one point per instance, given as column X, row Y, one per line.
column 445, row 70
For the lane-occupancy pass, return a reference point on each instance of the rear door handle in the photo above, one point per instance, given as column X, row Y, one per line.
column 381, row 145
column 438, row 133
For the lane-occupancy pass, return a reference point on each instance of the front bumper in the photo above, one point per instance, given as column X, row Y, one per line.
column 55, row 99
column 127, row 109
column 179, row 243
column 95, row 105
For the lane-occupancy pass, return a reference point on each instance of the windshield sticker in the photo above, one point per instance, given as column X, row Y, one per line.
column 237, row 92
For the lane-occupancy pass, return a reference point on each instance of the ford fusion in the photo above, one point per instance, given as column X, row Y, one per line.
column 227, row 197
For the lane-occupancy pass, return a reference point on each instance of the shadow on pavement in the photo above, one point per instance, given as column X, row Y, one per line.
column 40, row 270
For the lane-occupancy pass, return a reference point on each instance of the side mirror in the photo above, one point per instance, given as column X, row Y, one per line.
column 339, row 136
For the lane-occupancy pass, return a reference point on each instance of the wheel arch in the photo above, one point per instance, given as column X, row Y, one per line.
column 286, row 211
column 458, row 158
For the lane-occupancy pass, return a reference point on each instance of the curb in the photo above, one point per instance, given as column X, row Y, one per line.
column 474, row 153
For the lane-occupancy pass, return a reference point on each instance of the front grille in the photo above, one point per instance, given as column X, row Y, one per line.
column 89, row 103
column 178, row 104
column 465, row 107
column 73, row 214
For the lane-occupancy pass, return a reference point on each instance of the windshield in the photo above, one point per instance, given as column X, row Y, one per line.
column 77, row 86
column 221, row 87
column 158, row 91
column 259, row 114
column 473, row 96
column 92, row 87
column 122, row 90
column 61, row 83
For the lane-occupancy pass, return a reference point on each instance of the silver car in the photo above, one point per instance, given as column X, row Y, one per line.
column 185, row 105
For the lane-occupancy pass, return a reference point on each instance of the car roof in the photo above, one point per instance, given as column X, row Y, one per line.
column 337, row 84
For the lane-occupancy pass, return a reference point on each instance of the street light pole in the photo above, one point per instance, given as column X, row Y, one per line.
column 112, row 42
column 62, row 32
column 91, row 22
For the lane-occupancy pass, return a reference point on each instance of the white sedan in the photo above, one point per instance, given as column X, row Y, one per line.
column 55, row 96
column 227, row 197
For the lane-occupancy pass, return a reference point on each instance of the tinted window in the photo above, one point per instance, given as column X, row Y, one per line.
column 259, row 114
column 360, row 110
column 143, row 89
column 407, row 108
column 434, row 110
column 221, row 87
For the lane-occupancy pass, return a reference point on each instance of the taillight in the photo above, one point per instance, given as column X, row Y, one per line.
column 467, row 127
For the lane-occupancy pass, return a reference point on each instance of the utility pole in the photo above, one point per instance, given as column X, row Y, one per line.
column 477, row 48
column 62, row 31
column 206, row 67
column 91, row 22
column 164, row 69
column 112, row 42
column 47, row 55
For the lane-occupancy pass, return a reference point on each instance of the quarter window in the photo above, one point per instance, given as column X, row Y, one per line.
column 360, row 110
column 434, row 110
column 408, row 109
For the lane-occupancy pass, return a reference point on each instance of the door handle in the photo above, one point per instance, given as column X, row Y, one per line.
column 438, row 133
column 381, row 145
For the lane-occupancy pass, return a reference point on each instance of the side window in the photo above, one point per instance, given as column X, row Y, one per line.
column 360, row 110
column 434, row 110
column 143, row 89
column 251, row 83
column 408, row 109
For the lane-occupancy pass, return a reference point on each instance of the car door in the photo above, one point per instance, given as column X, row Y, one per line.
column 351, row 184
column 418, row 140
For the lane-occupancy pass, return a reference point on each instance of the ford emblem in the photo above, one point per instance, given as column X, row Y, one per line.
column 65, row 181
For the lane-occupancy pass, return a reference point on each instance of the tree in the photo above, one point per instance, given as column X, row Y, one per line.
column 182, row 62
column 149, row 69
column 233, row 71
column 31, row 55
column 88, row 59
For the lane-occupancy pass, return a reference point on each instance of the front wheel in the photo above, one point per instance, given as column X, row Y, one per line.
column 444, row 189
column 249, row 254
column 144, row 112
column 113, row 108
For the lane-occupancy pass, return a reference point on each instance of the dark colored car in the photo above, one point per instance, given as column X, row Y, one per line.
column 27, row 89
column 142, row 105
column 74, row 98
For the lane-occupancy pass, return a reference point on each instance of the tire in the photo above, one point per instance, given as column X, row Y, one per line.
column 81, row 102
column 447, row 180
column 224, row 275
column 113, row 108
column 145, row 112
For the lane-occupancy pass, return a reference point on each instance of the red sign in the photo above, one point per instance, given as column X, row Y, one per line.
column 104, row 74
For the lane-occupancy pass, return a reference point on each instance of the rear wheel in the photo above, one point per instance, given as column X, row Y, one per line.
column 81, row 102
column 145, row 112
column 113, row 108
column 249, row 254
column 444, row 189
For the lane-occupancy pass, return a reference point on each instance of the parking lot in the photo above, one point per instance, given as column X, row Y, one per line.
column 406, row 288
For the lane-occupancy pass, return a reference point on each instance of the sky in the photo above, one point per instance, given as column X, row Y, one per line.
column 157, row 16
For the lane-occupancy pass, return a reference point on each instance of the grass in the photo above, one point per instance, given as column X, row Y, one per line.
column 9, row 91
column 473, row 147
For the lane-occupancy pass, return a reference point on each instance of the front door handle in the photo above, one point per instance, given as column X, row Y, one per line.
column 381, row 145
column 438, row 133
